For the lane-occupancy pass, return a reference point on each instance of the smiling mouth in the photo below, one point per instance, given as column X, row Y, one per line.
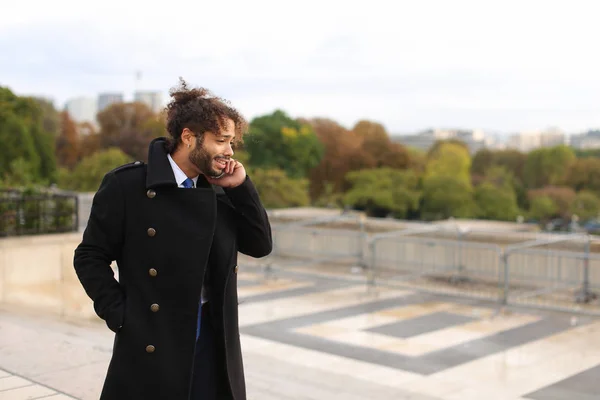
column 221, row 162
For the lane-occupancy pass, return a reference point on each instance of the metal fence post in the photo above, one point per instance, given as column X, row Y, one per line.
column 584, row 295
column 505, row 279
column 372, row 264
column 459, row 277
column 362, row 262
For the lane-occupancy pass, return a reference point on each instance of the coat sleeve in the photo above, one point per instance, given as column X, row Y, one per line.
column 100, row 246
column 253, row 226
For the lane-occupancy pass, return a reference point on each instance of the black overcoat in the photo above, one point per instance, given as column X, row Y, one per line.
column 161, row 237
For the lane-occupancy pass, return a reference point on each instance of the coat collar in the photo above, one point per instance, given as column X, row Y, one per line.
column 160, row 173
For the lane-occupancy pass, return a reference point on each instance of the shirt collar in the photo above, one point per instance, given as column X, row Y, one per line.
column 180, row 176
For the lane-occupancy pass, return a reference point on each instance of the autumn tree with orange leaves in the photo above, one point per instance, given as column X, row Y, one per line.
column 68, row 151
column 129, row 127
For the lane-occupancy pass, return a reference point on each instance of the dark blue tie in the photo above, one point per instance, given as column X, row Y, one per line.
column 188, row 184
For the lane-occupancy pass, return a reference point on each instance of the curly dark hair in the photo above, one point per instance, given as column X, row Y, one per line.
column 200, row 111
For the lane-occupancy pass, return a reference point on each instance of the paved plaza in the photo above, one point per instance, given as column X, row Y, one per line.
column 312, row 336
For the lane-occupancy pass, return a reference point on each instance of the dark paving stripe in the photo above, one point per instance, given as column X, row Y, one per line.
column 420, row 325
column 583, row 386
column 281, row 294
column 492, row 344
column 428, row 364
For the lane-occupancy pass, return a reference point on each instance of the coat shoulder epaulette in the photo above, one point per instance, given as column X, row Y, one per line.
column 127, row 166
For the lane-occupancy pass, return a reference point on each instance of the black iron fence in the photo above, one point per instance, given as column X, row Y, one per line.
column 35, row 212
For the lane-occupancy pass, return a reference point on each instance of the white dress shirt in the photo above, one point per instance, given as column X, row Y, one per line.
column 180, row 177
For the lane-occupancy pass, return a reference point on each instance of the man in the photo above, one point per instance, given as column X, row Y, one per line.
column 175, row 226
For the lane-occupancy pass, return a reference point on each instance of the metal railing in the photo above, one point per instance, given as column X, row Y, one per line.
column 23, row 214
column 552, row 271
column 541, row 276
column 312, row 241
column 408, row 258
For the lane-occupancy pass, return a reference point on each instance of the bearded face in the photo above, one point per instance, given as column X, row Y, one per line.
column 210, row 163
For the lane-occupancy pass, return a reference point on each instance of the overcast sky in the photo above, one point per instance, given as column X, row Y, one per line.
column 496, row 65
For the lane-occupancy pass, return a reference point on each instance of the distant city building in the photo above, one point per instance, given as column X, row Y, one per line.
column 106, row 99
column 151, row 98
column 530, row 140
column 586, row 141
column 82, row 109
column 474, row 139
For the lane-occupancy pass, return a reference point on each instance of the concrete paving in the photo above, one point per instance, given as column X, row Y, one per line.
column 45, row 358
column 313, row 336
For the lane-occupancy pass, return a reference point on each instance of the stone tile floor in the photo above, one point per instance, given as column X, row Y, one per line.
column 317, row 336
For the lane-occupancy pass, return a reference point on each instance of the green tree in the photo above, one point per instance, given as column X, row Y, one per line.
column 496, row 202
column 449, row 160
column 584, row 174
column 482, row 160
column 543, row 208
column 276, row 141
column 446, row 196
column 500, row 177
column 88, row 174
column 513, row 160
column 586, row 205
column 435, row 148
column 21, row 174
column 562, row 197
column 277, row 190
column 23, row 136
column 418, row 160
column 16, row 141
column 383, row 191
column 447, row 187
column 547, row 166
column 44, row 143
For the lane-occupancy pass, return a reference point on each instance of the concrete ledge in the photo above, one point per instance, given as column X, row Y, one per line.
column 36, row 272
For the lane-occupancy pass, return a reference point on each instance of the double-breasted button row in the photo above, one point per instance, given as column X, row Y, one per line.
column 152, row 271
column 235, row 270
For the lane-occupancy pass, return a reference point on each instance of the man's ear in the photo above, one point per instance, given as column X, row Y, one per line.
column 187, row 137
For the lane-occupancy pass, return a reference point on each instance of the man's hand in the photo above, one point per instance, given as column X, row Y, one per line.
column 234, row 175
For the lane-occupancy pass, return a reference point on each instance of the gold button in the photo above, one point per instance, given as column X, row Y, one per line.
column 151, row 194
column 236, row 269
column 150, row 349
column 154, row 307
column 152, row 272
column 151, row 232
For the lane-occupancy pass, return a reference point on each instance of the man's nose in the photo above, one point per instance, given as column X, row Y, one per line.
column 229, row 151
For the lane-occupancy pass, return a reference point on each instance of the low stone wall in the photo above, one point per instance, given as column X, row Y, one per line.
column 36, row 272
